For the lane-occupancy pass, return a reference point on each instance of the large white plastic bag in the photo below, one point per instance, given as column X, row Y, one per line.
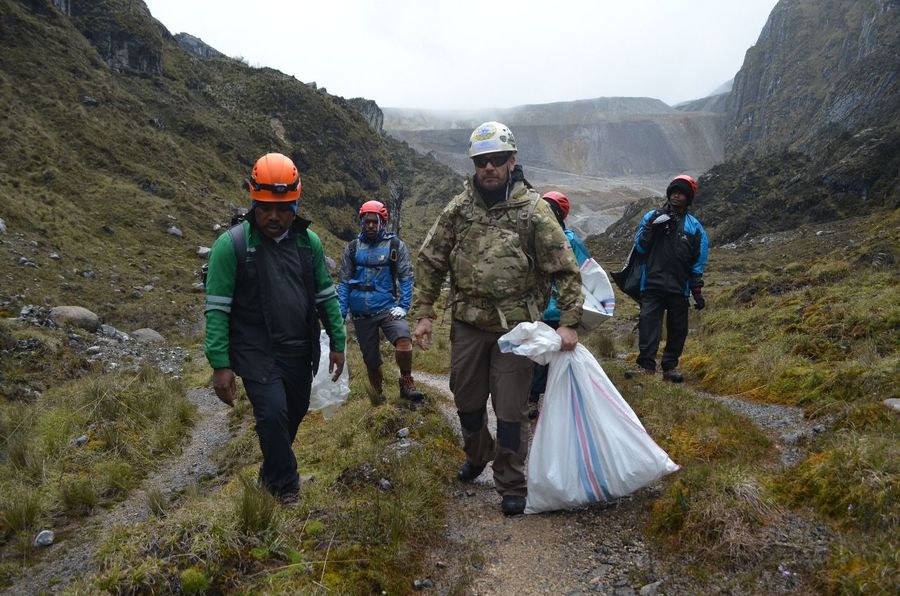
column 589, row 445
column 327, row 395
column 599, row 298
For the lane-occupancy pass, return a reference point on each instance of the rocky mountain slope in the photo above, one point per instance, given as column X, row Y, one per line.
column 120, row 150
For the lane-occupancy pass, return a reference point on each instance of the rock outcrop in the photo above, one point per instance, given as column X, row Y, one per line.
column 128, row 39
column 197, row 47
column 820, row 69
column 370, row 111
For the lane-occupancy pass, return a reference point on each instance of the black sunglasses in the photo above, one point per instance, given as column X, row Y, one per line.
column 496, row 159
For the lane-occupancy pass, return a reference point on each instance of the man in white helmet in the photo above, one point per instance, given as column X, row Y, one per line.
column 503, row 248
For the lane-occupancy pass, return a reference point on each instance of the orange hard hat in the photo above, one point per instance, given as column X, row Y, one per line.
column 560, row 200
column 274, row 179
column 376, row 207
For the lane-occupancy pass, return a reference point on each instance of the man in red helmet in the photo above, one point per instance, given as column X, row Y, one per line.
column 376, row 290
column 266, row 291
column 559, row 204
column 675, row 247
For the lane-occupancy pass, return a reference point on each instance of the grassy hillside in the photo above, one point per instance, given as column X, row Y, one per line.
column 99, row 156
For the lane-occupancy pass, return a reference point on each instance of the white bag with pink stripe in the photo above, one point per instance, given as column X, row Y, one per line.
column 589, row 445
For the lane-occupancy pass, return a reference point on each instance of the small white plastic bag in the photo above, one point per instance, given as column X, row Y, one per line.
column 327, row 395
column 599, row 298
column 589, row 445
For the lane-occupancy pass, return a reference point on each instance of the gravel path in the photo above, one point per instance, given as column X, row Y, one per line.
column 785, row 425
column 72, row 556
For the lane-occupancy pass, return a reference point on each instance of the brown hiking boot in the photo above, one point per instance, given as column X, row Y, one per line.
column 408, row 389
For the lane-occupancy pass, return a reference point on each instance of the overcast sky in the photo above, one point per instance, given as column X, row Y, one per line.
column 476, row 54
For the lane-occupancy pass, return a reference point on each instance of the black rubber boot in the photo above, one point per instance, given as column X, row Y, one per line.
column 673, row 376
column 469, row 472
column 512, row 505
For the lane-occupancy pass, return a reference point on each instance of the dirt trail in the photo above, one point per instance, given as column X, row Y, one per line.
column 72, row 556
column 597, row 549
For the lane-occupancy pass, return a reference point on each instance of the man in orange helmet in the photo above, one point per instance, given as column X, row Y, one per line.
column 674, row 245
column 376, row 290
column 266, row 291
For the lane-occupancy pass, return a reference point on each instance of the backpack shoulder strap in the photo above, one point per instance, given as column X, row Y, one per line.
column 239, row 243
column 352, row 247
column 393, row 256
column 525, row 227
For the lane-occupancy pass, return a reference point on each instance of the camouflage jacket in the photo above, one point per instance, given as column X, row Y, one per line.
column 495, row 281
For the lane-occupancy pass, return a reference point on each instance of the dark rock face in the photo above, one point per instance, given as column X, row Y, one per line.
column 819, row 69
column 197, row 47
column 128, row 39
column 370, row 111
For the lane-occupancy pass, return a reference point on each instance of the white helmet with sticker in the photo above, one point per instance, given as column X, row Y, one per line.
column 491, row 137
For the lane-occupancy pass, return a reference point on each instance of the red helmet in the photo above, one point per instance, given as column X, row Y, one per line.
column 376, row 207
column 274, row 179
column 685, row 184
column 561, row 201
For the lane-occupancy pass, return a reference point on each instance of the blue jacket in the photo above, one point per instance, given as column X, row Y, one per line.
column 551, row 313
column 676, row 254
column 367, row 286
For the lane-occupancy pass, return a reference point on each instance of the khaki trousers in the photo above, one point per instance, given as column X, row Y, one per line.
column 477, row 370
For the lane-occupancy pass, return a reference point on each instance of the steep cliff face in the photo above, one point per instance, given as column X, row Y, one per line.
column 819, row 69
column 812, row 122
column 370, row 111
column 124, row 33
column 197, row 47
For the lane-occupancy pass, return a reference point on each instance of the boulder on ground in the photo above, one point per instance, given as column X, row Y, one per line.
column 77, row 316
column 147, row 336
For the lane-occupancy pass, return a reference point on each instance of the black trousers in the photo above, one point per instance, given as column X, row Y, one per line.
column 279, row 406
column 539, row 380
column 653, row 306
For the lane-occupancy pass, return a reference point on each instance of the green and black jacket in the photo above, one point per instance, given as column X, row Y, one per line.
column 240, row 303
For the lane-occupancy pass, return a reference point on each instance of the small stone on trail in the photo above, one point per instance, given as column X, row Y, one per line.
column 174, row 231
column 893, row 403
column 147, row 336
column 403, row 433
column 44, row 538
column 441, row 565
column 423, row 584
column 651, row 589
column 385, row 484
column 80, row 441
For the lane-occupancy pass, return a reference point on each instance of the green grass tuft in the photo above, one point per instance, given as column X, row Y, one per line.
column 256, row 509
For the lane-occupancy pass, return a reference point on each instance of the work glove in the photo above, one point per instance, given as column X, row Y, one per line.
column 398, row 312
column 699, row 301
